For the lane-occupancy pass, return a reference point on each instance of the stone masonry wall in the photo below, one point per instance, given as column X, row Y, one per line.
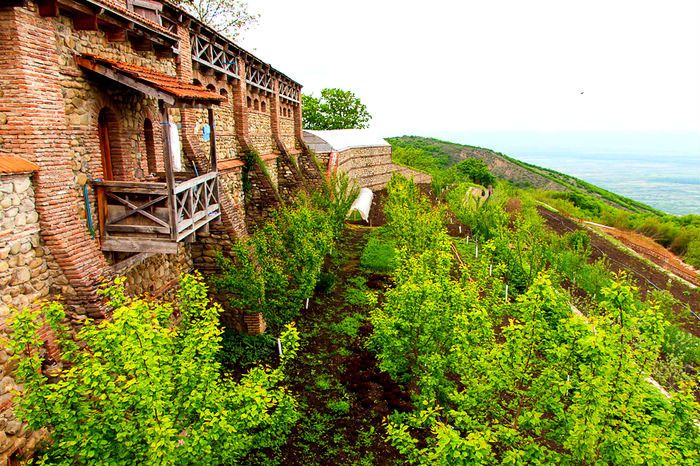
column 160, row 273
column 287, row 133
column 260, row 132
column 28, row 273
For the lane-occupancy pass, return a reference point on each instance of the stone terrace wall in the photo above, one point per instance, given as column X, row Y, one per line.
column 370, row 166
column 415, row 175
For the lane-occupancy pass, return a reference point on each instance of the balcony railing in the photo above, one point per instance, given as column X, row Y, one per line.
column 146, row 217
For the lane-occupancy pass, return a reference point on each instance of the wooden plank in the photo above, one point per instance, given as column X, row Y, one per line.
column 199, row 225
column 134, row 209
column 146, row 229
column 101, row 209
column 160, row 190
column 216, row 68
column 134, row 245
column 192, row 182
column 212, row 140
column 169, row 174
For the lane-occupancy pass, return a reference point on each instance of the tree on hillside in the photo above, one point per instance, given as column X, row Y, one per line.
column 229, row 17
column 476, row 170
column 335, row 109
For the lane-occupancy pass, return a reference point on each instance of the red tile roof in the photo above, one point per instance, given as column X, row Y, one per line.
column 161, row 81
column 13, row 164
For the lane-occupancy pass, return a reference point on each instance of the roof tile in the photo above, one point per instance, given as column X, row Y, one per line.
column 14, row 164
column 164, row 82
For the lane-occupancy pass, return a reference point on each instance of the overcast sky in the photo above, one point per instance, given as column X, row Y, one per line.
column 444, row 67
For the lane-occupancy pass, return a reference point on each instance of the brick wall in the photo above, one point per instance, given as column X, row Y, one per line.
column 37, row 128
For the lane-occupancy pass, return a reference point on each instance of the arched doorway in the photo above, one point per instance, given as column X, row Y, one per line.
column 150, row 146
column 104, row 121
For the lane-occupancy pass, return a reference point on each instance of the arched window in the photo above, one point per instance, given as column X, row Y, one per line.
column 248, row 101
column 256, row 104
column 211, row 87
column 224, row 94
column 263, row 106
column 149, row 140
column 196, row 82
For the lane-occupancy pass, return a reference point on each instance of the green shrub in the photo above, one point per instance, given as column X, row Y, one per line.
column 339, row 406
column 143, row 387
column 349, row 326
column 239, row 350
column 682, row 345
column 379, row 255
column 358, row 294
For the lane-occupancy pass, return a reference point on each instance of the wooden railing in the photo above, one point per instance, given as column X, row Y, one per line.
column 196, row 204
column 142, row 216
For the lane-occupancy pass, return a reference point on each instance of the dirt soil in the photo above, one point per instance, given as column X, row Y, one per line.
column 334, row 366
column 652, row 251
column 647, row 278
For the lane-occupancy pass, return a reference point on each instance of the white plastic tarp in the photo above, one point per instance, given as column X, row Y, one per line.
column 362, row 204
column 175, row 148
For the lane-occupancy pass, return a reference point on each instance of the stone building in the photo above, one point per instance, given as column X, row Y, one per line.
column 361, row 154
column 133, row 139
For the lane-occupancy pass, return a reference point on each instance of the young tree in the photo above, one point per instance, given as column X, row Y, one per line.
column 144, row 386
column 335, row 109
column 229, row 17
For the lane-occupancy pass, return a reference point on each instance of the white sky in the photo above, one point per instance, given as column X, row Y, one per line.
column 437, row 67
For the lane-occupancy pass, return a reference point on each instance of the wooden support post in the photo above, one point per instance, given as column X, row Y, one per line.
column 212, row 140
column 213, row 164
column 169, row 174
column 85, row 22
column 101, row 212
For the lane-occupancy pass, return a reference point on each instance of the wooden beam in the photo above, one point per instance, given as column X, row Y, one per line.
column 212, row 140
column 142, row 229
column 164, row 51
column 142, row 44
column 117, row 36
column 14, row 3
column 125, row 80
column 48, row 8
column 85, row 22
column 169, row 174
column 139, row 245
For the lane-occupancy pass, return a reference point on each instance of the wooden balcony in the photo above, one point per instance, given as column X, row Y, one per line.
column 149, row 217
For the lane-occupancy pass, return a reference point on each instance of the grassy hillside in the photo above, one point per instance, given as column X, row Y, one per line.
column 571, row 195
